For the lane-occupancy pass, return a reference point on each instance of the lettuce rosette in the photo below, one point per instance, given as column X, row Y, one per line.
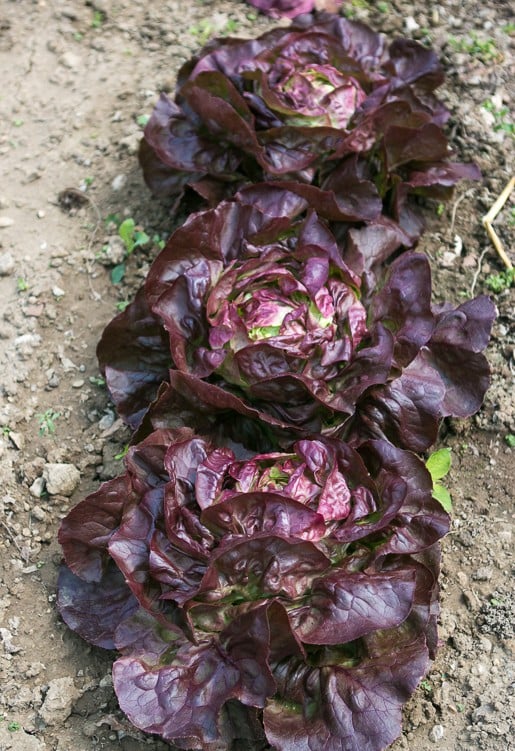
column 252, row 308
column 315, row 103
column 285, row 596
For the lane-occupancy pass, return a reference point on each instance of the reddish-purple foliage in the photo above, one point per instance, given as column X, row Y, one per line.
column 291, row 583
column 267, row 564
column 266, row 317
column 307, row 103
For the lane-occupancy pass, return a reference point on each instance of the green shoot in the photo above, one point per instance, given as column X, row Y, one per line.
column 97, row 381
column 499, row 282
column 484, row 50
column 203, row 31
column 47, row 421
column 158, row 241
column 112, row 220
column 501, row 116
column 118, row 273
column 122, row 453
column 142, row 120
column 131, row 236
column 231, row 26
column 438, row 465
column 98, row 19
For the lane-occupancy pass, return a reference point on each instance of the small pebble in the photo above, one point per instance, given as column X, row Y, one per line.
column 36, row 511
column 410, row 24
column 106, row 421
column 436, row 733
column 483, row 574
column 61, row 479
column 78, row 384
column 69, row 60
column 6, row 221
column 6, row 264
column 119, row 182
column 40, row 214
column 37, row 488
column 17, row 439
column 58, row 292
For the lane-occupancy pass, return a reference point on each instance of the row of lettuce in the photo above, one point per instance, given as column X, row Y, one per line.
column 267, row 565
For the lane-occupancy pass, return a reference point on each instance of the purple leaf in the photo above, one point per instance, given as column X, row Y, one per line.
column 268, row 564
column 95, row 609
column 335, row 707
column 134, row 356
column 254, row 513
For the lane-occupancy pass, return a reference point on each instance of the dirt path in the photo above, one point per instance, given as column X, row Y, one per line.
column 77, row 79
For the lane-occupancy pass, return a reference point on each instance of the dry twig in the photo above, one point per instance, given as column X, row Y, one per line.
column 489, row 218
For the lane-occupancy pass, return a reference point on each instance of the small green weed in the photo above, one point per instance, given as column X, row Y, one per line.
column 112, row 221
column 231, row 26
column 47, row 421
column 203, row 31
column 97, row 381
column 350, row 9
column 158, row 241
column 98, row 19
column 122, row 453
column 133, row 237
column 22, row 285
column 142, row 120
column 510, row 440
column 118, row 273
column 482, row 49
column 13, row 726
column 502, row 117
column 438, row 465
column 121, row 305
column 497, row 283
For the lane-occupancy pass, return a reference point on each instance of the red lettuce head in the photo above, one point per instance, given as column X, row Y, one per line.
column 296, row 104
column 256, row 310
column 273, row 582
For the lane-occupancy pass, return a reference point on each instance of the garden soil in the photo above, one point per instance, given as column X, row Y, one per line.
column 77, row 80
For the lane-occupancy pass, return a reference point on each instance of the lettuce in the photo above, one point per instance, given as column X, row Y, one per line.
column 306, row 104
column 266, row 314
column 283, row 596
